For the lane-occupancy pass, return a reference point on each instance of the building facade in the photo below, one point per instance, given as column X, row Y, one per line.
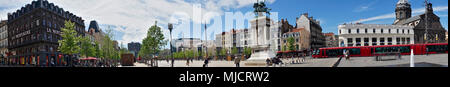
column 436, row 33
column 3, row 38
column 331, row 40
column 317, row 40
column 95, row 31
column 183, row 44
column 351, row 35
column 301, row 39
column 134, row 47
column 34, row 31
column 446, row 37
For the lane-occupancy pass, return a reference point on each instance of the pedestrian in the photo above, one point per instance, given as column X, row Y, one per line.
column 173, row 61
column 237, row 61
column 268, row 62
column 347, row 53
column 187, row 62
column 399, row 54
column 206, row 62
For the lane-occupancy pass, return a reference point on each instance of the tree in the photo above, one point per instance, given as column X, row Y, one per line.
column 291, row 46
column 247, row 51
column 154, row 41
column 98, row 51
column 234, row 51
column 70, row 42
column 223, row 52
column 108, row 46
column 87, row 49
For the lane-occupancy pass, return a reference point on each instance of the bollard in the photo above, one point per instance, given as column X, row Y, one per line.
column 412, row 58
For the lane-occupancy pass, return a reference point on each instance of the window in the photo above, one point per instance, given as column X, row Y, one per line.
column 349, row 42
column 398, row 41
column 403, row 31
column 403, row 40
column 340, row 32
column 381, row 41
column 358, row 41
column 349, row 31
column 374, row 30
column 357, row 31
column 389, row 41
column 389, row 30
column 366, row 41
column 365, row 30
column 408, row 41
column 398, row 31
column 408, row 31
column 382, row 30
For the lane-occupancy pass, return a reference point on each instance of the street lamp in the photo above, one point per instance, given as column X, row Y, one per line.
column 170, row 27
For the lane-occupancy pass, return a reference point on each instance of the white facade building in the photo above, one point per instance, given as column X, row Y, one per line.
column 374, row 34
column 268, row 35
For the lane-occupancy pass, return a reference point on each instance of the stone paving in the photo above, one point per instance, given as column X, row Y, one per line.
column 441, row 59
column 309, row 62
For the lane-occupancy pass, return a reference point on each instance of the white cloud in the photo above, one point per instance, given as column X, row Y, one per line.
column 134, row 17
column 365, row 7
column 392, row 15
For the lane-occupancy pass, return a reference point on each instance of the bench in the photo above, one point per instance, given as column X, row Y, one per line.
column 381, row 56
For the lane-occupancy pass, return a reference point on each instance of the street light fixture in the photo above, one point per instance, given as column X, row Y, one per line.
column 170, row 27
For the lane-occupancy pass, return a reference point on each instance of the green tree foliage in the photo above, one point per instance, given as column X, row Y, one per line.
column 70, row 42
column 234, row 51
column 153, row 43
column 291, row 42
column 223, row 52
column 98, row 51
column 87, row 49
column 247, row 51
column 108, row 47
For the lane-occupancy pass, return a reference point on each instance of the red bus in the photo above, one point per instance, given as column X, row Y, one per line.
column 365, row 51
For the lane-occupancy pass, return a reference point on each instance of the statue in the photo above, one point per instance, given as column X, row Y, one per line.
column 260, row 7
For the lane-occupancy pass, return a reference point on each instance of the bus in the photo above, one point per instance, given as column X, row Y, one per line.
column 366, row 51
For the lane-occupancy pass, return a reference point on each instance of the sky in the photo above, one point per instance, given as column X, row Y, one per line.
column 130, row 19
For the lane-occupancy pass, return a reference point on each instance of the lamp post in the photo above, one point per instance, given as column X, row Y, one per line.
column 170, row 27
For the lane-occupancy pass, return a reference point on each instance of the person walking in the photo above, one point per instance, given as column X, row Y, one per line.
column 347, row 53
column 173, row 61
column 268, row 62
column 187, row 62
column 206, row 62
column 237, row 61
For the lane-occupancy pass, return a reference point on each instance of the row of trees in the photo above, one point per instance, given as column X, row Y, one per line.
column 247, row 51
column 73, row 43
column 187, row 54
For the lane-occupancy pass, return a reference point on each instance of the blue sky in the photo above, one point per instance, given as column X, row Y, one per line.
column 130, row 19
column 335, row 12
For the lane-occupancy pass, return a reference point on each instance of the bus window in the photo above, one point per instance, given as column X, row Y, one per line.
column 355, row 51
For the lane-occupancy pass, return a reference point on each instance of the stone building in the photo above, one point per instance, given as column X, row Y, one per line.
column 317, row 40
column 301, row 39
column 374, row 34
column 436, row 33
column 3, row 38
column 331, row 40
column 34, row 31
